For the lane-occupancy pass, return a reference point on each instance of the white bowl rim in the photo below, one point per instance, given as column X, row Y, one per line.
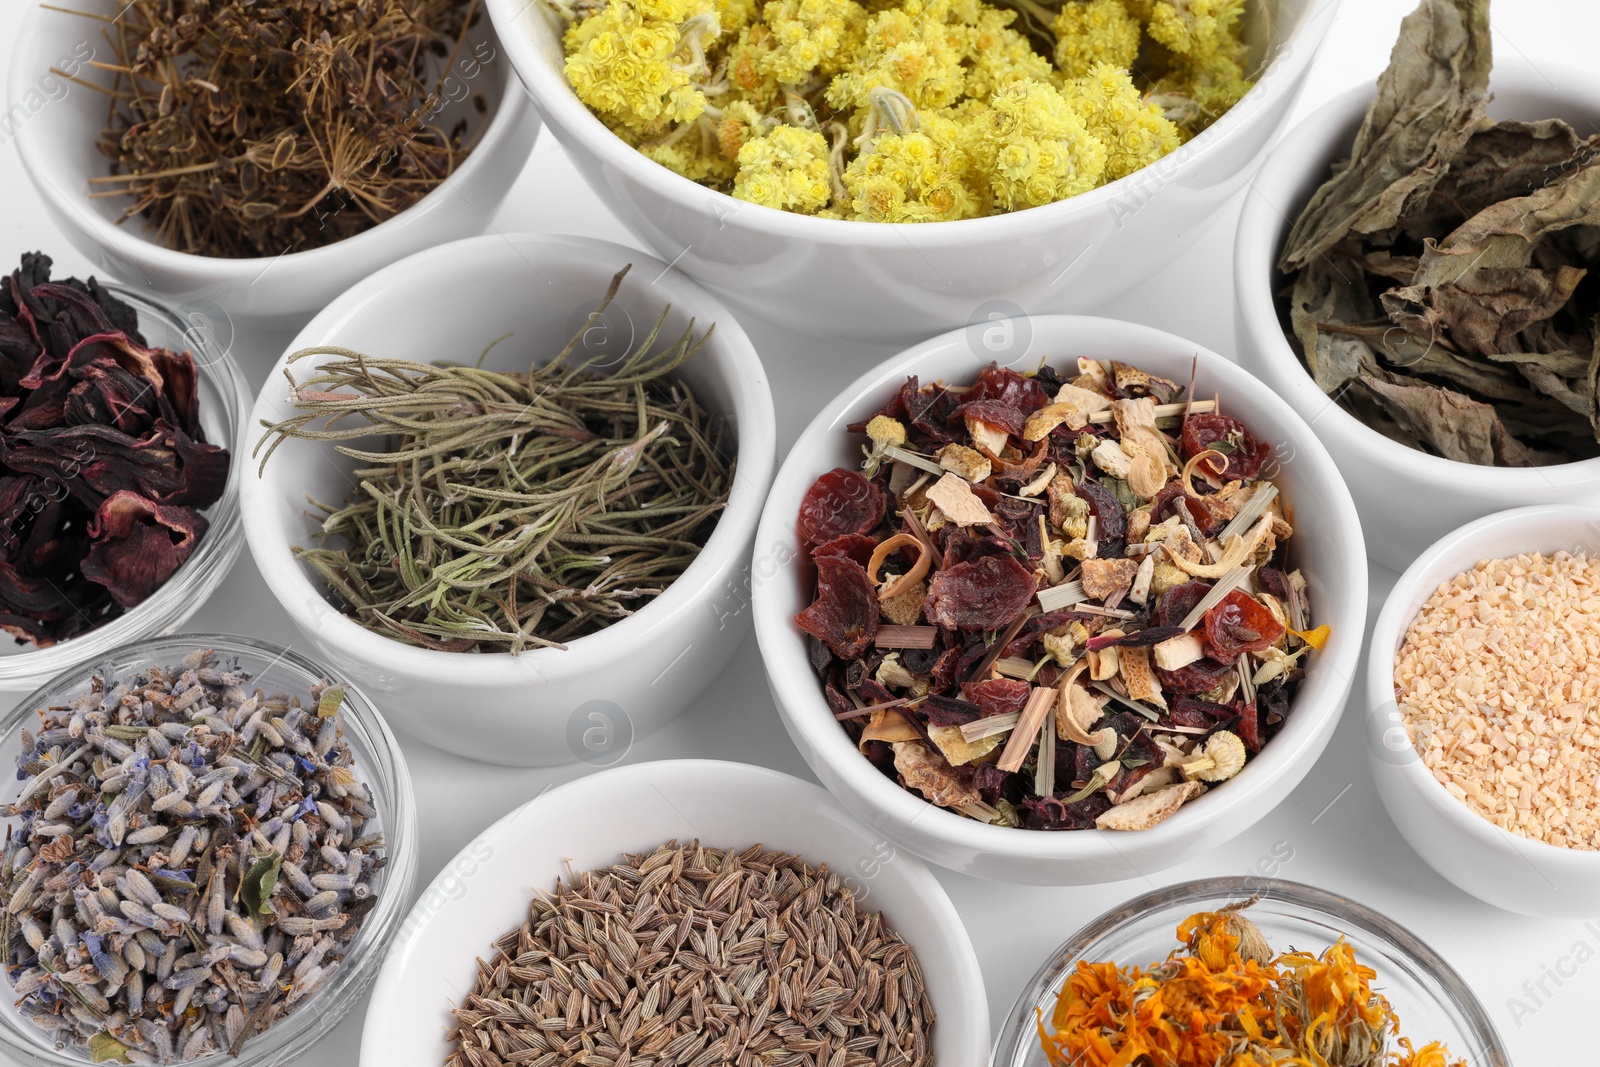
column 1384, row 640
column 925, row 886
column 754, row 463
column 132, row 244
column 561, row 107
column 1256, row 254
column 776, row 633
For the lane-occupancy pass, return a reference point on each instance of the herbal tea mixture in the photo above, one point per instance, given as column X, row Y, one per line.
column 1226, row 997
column 509, row 510
column 905, row 110
column 186, row 862
column 1056, row 604
column 240, row 129
column 1497, row 682
column 1437, row 277
column 696, row 955
column 104, row 467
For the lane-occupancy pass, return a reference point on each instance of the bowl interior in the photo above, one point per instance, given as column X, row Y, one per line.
column 222, row 405
column 514, row 302
column 62, row 146
column 1297, row 168
column 378, row 764
column 1432, row 1001
column 1327, row 540
column 485, row 891
column 533, row 34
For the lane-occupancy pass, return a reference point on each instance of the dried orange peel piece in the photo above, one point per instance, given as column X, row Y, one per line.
column 910, row 578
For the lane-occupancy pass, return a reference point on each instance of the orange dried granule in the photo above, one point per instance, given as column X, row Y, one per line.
column 1224, row 1000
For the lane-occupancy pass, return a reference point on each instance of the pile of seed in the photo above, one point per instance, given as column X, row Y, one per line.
column 1498, row 679
column 698, row 957
column 187, row 860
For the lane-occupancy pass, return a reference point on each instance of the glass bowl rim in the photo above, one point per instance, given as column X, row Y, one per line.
column 377, row 747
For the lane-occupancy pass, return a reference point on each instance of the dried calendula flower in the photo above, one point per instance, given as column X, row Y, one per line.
column 1225, row 997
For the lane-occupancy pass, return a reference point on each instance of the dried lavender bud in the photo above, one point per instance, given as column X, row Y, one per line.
column 152, row 910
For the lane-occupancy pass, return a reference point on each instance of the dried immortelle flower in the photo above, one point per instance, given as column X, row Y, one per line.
column 911, row 111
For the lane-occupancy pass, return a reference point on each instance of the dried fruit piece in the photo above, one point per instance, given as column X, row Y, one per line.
column 845, row 614
column 982, row 594
column 1146, row 811
column 838, row 503
column 1245, row 453
column 1238, row 624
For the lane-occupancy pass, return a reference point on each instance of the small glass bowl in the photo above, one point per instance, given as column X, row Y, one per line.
column 224, row 403
column 378, row 762
column 1433, row 1003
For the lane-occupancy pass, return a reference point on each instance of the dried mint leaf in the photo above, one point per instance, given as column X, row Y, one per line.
column 259, row 882
column 1430, row 99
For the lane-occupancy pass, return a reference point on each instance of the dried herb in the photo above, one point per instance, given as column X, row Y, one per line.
column 1045, row 600
column 240, row 129
column 506, row 510
column 1437, row 279
column 104, row 468
column 1226, row 998
column 696, row 955
column 136, row 927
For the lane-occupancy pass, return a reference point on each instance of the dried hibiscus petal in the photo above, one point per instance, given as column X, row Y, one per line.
column 1240, row 623
column 139, row 544
column 996, row 413
column 1111, row 519
column 1175, row 606
column 1007, row 386
column 845, row 614
column 1246, row 455
column 838, row 503
column 997, row 696
column 857, row 547
column 980, row 594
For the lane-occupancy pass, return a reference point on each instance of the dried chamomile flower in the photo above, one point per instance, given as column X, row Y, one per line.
column 784, row 167
column 1033, row 148
column 1088, row 34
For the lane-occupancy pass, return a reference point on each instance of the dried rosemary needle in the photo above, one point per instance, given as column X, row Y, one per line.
column 501, row 511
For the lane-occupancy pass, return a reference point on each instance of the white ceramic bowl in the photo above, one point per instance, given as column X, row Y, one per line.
column 1407, row 499
column 485, row 891
column 60, row 124
column 544, row 706
column 1327, row 544
column 1506, row 869
column 223, row 403
column 895, row 284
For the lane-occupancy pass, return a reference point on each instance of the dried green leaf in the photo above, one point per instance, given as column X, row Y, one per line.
column 1449, row 423
column 1501, row 160
column 330, row 700
column 259, row 882
column 1328, row 291
column 103, row 1048
column 1485, row 309
column 1429, row 102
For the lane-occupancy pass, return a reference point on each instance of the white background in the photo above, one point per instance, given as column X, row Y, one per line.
column 1340, row 837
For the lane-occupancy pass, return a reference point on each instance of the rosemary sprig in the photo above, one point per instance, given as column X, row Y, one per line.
column 499, row 511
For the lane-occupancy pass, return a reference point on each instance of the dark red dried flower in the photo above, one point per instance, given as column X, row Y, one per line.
column 103, row 463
